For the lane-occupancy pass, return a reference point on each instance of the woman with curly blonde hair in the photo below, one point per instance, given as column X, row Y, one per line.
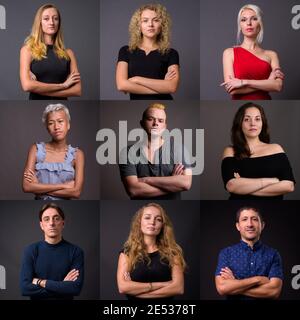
column 47, row 70
column 151, row 264
column 148, row 68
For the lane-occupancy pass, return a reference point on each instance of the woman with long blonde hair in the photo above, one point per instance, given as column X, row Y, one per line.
column 151, row 265
column 47, row 69
column 148, row 68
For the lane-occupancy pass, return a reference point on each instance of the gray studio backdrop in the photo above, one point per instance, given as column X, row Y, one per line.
column 115, row 220
column 21, row 126
column 218, row 218
column 114, row 20
column 216, row 120
column 218, row 28
column 182, row 115
column 20, row 227
column 80, row 22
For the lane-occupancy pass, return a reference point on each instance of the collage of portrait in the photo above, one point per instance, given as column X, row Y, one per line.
column 173, row 130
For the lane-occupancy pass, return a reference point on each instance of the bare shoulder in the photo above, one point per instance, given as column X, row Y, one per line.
column 33, row 148
column 228, row 152
column 70, row 53
column 228, row 52
column 271, row 54
column 25, row 51
column 275, row 148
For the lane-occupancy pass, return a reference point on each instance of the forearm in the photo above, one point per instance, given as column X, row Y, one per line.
column 267, row 290
column 171, row 183
column 137, row 288
column 158, row 85
column 141, row 189
column 40, row 188
column 67, row 193
column 73, row 91
column 276, row 189
column 170, row 290
column 131, row 87
column 64, row 287
column 265, row 85
column 234, row 286
column 41, row 87
column 243, row 90
column 248, row 185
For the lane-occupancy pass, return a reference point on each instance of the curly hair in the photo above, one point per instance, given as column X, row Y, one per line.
column 135, row 247
column 135, row 34
column 239, row 143
column 35, row 41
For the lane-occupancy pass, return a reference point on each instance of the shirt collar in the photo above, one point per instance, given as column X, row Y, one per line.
column 257, row 245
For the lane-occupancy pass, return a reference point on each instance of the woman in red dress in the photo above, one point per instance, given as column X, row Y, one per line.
column 251, row 72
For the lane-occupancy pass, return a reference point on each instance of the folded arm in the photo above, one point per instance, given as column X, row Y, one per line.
column 268, row 290
column 71, row 87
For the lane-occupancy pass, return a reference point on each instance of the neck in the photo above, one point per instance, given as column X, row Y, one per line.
column 251, row 243
column 49, row 40
column 53, row 240
column 150, row 242
column 253, row 143
column 249, row 44
column 149, row 43
column 58, row 145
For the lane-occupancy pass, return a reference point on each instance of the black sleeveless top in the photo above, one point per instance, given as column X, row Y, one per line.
column 49, row 70
column 157, row 271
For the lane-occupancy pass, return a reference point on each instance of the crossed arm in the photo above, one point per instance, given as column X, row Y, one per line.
column 143, row 85
column 181, row 180
column 70, row 189
column 234, row 85
column 71, row 87
column 256, row 287
column 148, row 290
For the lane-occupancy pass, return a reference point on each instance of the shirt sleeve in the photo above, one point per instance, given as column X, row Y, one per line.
column 286, row 172
column 228, row 168
column 276, row 270
column 222, row 261
column 173, row 57
column 27, row 275
column 123, row 54
column 126, row 167
column 72, row 288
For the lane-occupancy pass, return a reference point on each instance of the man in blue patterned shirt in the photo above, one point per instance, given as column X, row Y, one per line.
column 249, row 269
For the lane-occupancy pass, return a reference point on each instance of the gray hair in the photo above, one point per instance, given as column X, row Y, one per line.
column 55, row 107
column 258, row 13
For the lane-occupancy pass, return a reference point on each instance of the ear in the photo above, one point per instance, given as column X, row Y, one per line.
column 237, row 226
column 41, row 225
column 69, row 125
column 262, row 226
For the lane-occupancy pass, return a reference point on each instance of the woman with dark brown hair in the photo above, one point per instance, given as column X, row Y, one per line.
column 253, row 167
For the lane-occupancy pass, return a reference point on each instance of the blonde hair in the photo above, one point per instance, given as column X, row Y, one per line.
column 35, row 41
column 159, row 106
column 135, row 34
column 259, row 14
column 135, row 248
column 55, row 107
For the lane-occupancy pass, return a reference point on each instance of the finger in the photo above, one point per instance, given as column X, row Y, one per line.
column 223, row 84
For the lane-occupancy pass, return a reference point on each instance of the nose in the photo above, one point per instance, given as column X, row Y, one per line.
column 249, row 22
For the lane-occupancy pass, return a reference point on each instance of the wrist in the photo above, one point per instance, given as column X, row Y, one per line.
column 150, row 287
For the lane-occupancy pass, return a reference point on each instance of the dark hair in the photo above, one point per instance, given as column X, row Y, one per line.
column 238, row 213
column 239, row 143
column 54, row 206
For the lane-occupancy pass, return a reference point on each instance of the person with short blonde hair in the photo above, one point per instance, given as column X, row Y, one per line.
column 251, row 72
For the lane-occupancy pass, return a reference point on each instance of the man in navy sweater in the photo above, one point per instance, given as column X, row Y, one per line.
column 52, row 269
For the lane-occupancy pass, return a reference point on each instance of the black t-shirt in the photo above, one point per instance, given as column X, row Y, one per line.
column 136, row 164
column 49, row 70
column 154, row 65
column 271, row 166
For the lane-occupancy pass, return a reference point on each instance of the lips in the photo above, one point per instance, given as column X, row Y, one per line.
column 249, row 29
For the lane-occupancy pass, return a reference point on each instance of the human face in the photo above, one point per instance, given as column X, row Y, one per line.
column 155, row 122
column 252, row 123
column 151, row 221
column 52, row 224
column 150, row 24
column 249, row 225
column 249, row 23
column 58, row 125
column 50, row 21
